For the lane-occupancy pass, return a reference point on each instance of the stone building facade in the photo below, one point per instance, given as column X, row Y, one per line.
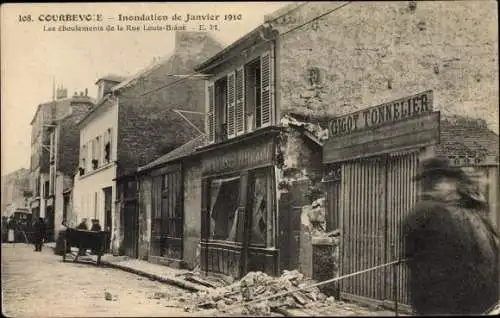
column 286, row 80
column 366, row 53
column 15, row 191
column 42, row 171
column 145, row 126
column 64, row 138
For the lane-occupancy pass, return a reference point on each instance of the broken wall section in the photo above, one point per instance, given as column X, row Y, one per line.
column 300, row 191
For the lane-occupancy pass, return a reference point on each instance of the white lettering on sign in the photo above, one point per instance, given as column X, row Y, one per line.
column 372, row 117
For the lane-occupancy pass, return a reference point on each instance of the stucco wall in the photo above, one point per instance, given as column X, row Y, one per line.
column 86, row 187
column 372, row 52
column 192, row 212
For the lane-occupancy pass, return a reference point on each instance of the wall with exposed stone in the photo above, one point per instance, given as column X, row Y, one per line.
column 299, row 175
column 192, row 216
column 368, row 53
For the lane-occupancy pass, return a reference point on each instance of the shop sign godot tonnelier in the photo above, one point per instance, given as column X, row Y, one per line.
column 395, row 126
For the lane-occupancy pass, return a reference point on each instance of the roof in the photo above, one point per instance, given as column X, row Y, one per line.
column 112, row 78
column 183, row 151
column 58, row 102
column 93, row 110
column 467, row 137
column 224, row 52
column 287, row 9
column 142, row 73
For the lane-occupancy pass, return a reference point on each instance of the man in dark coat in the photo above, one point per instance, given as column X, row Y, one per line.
column 451, row 245
column 39, row 234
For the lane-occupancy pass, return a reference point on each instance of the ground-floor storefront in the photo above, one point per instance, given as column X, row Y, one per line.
column 238, row 207
column 370, row 191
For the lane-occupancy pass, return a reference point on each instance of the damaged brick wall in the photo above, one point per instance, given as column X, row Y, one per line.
column 370, row 53
column 148, row 128
column 300, row 176
column 192, row 212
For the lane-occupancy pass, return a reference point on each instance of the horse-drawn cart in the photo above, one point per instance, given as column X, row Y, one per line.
column 84, row 240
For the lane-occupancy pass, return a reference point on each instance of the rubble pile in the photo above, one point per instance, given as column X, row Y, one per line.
column 257, row 285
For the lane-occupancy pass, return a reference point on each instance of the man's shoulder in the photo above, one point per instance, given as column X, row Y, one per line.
column 427, row 211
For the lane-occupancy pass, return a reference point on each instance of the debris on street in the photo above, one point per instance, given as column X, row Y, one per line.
column 259, row 285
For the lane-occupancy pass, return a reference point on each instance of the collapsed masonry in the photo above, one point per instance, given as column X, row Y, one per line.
column 257, row 285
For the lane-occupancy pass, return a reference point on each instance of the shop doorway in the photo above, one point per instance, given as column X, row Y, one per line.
column 108, row 215
column 375, row 195
column 131, row 228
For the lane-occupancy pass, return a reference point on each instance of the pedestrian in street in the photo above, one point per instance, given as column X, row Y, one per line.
column 39, row 234
column 451, row 246
column 5, row 229
column 11, row 229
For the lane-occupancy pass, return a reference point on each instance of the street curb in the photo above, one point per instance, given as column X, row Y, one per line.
column 163, row 279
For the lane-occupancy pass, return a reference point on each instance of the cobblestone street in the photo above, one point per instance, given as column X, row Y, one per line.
column 41, row 285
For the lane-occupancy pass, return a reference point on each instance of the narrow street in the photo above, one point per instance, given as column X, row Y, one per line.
column 41, row 285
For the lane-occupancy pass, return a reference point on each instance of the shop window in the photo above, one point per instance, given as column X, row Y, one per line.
column 224, row 199
column 259, row 208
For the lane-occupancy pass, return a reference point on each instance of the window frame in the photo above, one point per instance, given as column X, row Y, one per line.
column 241, row 126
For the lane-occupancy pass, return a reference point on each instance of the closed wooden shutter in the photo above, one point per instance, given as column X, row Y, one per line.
column 210, row 124
column 230, row 104
column 266, row 69
column 205, row 224
column 244, row 226
column 240, row 100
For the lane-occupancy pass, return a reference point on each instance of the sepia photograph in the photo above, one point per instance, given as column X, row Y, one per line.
column 168, row 159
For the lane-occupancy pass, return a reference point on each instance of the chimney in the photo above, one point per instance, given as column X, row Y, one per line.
column 61, row 93
column 185, row 39
column 86, row 92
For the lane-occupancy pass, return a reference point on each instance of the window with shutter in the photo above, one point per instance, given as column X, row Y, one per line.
column 210, row 112
column 240, row 101
column 110, row 142
column 266, row 93
column 230, row 104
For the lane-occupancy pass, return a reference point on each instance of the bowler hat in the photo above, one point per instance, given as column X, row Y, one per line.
column 438, row 167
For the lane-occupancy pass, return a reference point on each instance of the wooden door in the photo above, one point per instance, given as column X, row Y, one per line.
column 131, row 228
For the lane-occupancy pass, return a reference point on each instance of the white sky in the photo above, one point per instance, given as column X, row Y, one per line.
column 31, row 58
